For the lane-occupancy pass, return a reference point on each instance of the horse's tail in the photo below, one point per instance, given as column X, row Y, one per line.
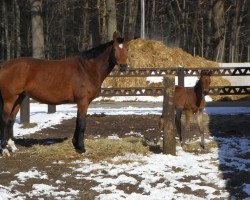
column 1, row 119
column 1, row 105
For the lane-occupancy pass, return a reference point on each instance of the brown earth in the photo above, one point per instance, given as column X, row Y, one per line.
column 102, row 126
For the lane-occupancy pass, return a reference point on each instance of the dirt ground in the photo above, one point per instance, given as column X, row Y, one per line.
column 101, row 126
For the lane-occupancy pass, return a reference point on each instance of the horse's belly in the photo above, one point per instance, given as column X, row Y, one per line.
column 51, row 97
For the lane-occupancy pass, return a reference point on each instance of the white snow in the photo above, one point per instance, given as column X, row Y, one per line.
column 153, row 177
column 33, row 173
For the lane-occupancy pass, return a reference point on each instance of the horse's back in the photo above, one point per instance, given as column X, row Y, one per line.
column 45, row 80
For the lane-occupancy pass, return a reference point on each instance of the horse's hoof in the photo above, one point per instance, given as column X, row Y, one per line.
column 80, row 150
column 202, row 145
column 5, row 153
column 11, row 146
column 183, row 145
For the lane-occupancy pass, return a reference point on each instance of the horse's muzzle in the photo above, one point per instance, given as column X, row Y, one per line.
column 123, row 67
column 205, row 92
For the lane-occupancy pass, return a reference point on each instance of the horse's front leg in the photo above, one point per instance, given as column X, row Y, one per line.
column 78, row 138
column 201, row 127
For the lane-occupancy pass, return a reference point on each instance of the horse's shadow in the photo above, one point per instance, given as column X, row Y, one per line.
column 29, row 142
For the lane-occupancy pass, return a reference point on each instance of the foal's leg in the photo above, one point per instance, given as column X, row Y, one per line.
column 201, row 127
column 188, row 117
column 178, row 115
column 78, row 138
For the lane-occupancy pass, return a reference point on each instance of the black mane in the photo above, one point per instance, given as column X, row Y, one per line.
column 199, row 92
column 94, row 52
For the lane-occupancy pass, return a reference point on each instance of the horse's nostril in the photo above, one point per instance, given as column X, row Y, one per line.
column 123, row 67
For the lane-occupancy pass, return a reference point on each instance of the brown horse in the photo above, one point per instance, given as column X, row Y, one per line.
column 73, row 80
column 192, row 101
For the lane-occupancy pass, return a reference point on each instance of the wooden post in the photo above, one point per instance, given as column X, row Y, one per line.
column 181, row 76
column 25, row 111
column 51, row 109
column 169, row 146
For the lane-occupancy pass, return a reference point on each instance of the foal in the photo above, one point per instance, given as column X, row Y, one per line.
column 191, row 101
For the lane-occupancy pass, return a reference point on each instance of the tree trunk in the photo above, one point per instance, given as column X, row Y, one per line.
column 94, row 23
column 236, row 26
column 37, row 29
column 132, row 6
column 86, row 38
column 112, row 23
column 18, row 36
column 6, row 30
column 208, row 29
column 220, row 27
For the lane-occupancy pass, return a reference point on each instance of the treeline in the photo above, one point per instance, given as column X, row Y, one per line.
column 215, row 29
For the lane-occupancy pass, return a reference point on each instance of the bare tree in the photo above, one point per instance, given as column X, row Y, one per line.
column 132, row 10
column 112, row 23
column 220, row 27
column 37, row 29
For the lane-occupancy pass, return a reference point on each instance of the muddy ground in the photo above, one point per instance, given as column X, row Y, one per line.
column 103, row 126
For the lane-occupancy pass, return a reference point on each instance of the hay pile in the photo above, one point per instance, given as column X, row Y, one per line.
column 150, row 53
column 154, row 54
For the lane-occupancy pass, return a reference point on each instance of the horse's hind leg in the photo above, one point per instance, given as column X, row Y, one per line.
column 178, row 115
column 201, row 127
column 188, row 116
column 11, row 144
column 4, row 127
column 9, row 112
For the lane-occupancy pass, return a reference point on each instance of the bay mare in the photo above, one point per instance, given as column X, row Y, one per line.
column 72, row 80
column 191, row 101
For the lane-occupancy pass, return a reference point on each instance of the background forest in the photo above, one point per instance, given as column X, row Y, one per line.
column 218, row 30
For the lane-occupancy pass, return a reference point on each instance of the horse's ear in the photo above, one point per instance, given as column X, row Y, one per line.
column 125, row 37
column 115, row 36
column 206, row 73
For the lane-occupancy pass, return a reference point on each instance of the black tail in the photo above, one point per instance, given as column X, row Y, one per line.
column 1, row 106
column 1, row 120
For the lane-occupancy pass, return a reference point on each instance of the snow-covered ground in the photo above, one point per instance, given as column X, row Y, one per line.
column 43, row 120
column 156, row 176
column 199, row 173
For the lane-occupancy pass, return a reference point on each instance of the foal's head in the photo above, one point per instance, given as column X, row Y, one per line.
column 121, row 52
column 205, row 79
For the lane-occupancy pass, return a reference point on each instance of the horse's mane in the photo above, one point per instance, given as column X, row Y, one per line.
column 198, row 91
column 94, row 52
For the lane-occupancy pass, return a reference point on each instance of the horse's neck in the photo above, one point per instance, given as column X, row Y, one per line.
column 199, row 93
column 105, row 62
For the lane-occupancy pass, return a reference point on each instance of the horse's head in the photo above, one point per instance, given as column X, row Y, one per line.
column 121, row 52
column 205, row 78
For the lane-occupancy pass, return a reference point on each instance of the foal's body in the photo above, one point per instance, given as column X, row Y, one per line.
column 185, row 101
column 191, row 101
column 72, row 80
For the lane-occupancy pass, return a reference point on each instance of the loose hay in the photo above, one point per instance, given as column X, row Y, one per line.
column 97, row 149
column 154, row 54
